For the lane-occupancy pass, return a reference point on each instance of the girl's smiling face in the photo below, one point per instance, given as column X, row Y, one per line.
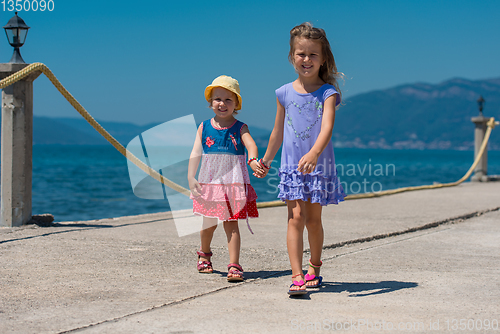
column 223, row 102
column 307, row 57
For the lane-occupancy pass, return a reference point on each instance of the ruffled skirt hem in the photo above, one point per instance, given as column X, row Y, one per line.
column 224, row 210
column 314, row 187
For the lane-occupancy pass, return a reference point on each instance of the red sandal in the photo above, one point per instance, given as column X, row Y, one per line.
column 204, row 267
column 237, row 271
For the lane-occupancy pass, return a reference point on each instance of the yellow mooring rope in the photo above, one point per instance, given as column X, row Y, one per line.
column 160, row 178
column 48, row 73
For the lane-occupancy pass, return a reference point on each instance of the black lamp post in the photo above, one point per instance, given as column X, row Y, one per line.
column 480, row 104
column 16, row 31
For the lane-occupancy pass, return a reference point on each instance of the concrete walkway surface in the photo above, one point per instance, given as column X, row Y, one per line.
column 135, row 275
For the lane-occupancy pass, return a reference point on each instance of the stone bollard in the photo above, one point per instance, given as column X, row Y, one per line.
column 481, row 171
column 16, row 147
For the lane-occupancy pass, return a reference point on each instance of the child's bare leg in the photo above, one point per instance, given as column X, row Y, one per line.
column 316, row 237
column 233, row 243
column 295, row 239
column 206, row 235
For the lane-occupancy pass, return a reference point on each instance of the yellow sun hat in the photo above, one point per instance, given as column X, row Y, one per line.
column 225, row 82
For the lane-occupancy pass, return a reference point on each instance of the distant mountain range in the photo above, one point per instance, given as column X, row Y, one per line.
column 418, row 116
column 412, row 116
column 77, row 131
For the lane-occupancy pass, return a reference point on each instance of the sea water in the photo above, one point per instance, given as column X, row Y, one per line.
column 91, row 182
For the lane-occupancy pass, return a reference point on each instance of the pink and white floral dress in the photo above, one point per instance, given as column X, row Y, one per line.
column 226, row 192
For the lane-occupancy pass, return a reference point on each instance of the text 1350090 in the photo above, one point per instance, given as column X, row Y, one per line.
column 27, row 5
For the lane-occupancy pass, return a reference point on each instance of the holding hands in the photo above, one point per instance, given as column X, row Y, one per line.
column 258, row 169
column 307, row 164
column 265, row 167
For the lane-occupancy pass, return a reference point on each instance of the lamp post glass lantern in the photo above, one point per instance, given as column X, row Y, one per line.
column 480, row 104
column 16, row 31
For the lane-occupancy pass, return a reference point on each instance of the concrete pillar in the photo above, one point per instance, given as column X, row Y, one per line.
column 16, row 147
column 481, row 171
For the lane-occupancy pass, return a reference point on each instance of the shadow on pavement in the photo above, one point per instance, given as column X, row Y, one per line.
column 363, row 289
column 261, row 274
column 76, row 227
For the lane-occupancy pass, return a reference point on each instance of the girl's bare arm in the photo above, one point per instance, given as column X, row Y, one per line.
column 253, row 152
column 276, row 138
column 194, row 162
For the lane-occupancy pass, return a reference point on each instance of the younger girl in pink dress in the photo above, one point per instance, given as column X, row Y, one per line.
column 223, row 191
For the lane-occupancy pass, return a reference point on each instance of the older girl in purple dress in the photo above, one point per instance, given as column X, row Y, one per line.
column 304, row 124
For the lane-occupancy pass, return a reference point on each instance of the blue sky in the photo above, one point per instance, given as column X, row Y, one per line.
column 144, row 62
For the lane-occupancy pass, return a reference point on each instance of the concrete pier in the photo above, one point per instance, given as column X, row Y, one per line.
column 134, row 275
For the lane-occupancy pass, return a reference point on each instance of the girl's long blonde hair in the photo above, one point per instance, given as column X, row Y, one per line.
column 328, row 71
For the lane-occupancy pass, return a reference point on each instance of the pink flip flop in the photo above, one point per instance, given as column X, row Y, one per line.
column 310, row 278
column 299, row 284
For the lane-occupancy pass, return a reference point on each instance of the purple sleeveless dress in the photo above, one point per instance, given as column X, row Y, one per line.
column 303, row 116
